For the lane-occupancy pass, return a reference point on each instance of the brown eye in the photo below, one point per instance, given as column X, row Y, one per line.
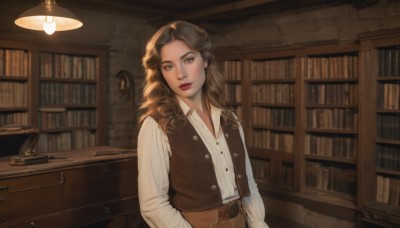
column 189, row 60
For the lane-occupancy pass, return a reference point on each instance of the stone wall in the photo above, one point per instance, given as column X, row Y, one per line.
column 126, row 36
column 341, row 24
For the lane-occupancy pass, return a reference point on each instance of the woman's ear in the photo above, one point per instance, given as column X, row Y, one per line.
column 205, row 64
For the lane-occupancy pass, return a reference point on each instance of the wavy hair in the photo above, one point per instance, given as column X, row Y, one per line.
column 159, row 100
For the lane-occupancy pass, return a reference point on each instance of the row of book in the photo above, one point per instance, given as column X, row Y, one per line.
column 388, row 126
column 279, row 93
column 262, row 171
column 388, row 157
column 67, row 118
column 51, row 142
column 238, row 111
column 389, row 95
column 67, row 66
column 331, row 146
column 67, row 93
column 233, row 93
column 330, row 178
column 13, row 118
column 272, row 69
column 266, row 139
column 287, row 175
column 336, row 94
column 335, row 67
column 261, row 168
column 335, row 118
column 389, row 61
column 13, row 94
column 14, row 63
column 232, row 70
column 388, row 190
column 279, row 117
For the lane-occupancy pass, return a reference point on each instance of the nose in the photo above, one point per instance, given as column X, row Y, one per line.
column 181, row 72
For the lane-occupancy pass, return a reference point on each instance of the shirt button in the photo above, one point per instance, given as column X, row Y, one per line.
column 239, row 176
column 195, row 138
column 226, row 169
column 207, row 156
column 217, row 143
column 222, row 152
column 213, row 187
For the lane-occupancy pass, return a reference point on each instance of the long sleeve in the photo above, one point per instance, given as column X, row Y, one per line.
column 153, row 181
column 253, row 204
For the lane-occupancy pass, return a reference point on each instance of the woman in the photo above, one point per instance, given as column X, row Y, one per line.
column 194, row 170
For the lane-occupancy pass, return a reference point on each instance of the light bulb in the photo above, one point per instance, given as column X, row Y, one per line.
column 49, row 25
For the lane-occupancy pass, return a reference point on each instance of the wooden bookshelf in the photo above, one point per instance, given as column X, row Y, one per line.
column 233, row 87
column 315, row 119
column 56, row 88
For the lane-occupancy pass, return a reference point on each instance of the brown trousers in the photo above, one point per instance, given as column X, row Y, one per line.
column 210, row 219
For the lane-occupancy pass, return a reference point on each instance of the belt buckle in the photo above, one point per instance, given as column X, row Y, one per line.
column 233, row 209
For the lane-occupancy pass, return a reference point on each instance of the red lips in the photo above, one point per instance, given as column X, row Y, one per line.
column 185, row 86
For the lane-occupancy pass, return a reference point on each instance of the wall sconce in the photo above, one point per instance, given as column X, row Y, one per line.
column 48, row 17
column 125, row 81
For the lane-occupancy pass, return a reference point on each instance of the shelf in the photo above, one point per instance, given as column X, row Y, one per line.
column 331, row 159
column 388, row 141
column 273, row 128
column 14, row 78
column 331, row 131
column 68, row 80
column 69, row 129
column 267, row 154
column 331, row 106
column 283, row 80
column 388, row 171
column 278, row 105
column 332, row 80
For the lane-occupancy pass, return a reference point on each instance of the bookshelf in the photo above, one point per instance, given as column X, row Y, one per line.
column 58, row 89
column 386, row 52
column 233, row 87
column 331, row 111
column 307, row 120
column 14, row 81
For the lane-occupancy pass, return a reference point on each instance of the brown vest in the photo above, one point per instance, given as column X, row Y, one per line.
column 193, row 182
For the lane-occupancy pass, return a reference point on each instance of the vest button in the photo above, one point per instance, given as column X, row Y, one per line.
column 227, row 135
column 207, row 156
column 213, row 187
column 235, row 155
column 195, row 138
column 239, row 176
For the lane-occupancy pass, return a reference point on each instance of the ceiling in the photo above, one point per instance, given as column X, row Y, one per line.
column 204, row 11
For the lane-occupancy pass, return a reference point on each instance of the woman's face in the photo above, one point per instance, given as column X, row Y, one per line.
column 183, row 69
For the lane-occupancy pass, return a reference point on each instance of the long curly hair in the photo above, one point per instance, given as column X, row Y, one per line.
column 159, row 101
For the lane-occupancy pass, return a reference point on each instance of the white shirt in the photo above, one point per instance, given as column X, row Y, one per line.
column 153, row 165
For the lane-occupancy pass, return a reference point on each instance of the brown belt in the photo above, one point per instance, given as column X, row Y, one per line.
column 229, row 210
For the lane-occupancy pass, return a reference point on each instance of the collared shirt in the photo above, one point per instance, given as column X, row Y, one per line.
column 153, row 164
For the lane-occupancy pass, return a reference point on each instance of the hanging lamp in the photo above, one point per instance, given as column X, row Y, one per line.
column 48, row 17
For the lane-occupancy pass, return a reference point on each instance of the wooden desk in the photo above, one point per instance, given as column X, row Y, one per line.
column 80, row 190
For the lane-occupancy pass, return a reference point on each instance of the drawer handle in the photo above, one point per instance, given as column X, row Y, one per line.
column 1, row 199
column 107, row 211
column 62, row 178
column 106, row 170
column 3, row 188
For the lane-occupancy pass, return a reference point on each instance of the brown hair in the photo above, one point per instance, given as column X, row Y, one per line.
column 159, row 100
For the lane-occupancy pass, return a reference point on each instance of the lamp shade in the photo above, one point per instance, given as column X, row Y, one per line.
column 35, row 17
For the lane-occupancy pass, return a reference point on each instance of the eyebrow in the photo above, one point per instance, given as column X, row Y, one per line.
column 182, row 57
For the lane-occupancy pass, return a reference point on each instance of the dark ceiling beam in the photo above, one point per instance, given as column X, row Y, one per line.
column 243, row 4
